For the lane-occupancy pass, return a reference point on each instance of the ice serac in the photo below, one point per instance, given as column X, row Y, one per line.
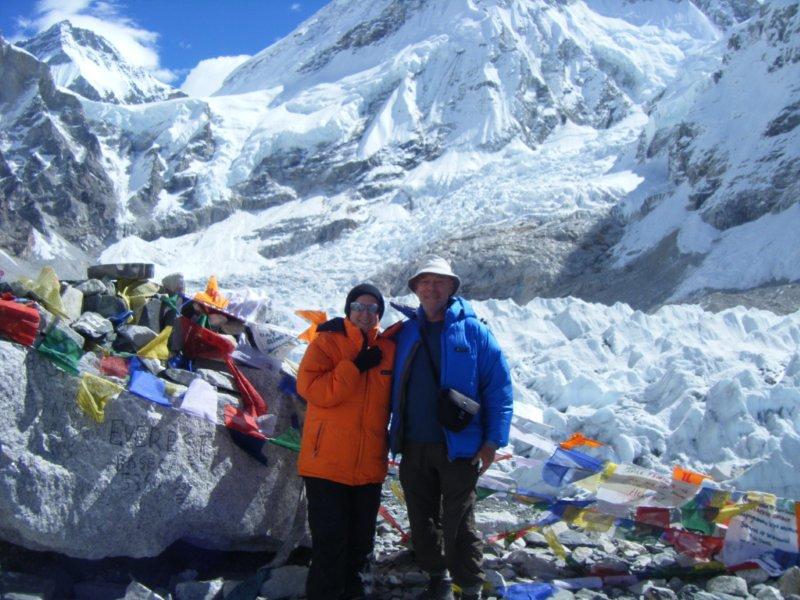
column 89, row 65
column 52, row 176
column 726, row 141
column 144, row 478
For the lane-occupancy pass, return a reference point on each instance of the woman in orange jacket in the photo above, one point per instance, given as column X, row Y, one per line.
column 345, row 376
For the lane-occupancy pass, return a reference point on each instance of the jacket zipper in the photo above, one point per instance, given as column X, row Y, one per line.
column 364, row 345
column 403, row 388
column 319, row 437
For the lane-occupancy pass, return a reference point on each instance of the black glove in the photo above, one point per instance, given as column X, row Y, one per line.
column 368, row 358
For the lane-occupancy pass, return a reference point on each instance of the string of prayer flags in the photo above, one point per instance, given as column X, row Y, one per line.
column 316, row 318
column 387, row 516
column 762, row 530
column 288, row 439
column 527, row 591
column 47, row 289
column 212, row 295
column 200, row 400
column 19, row 322
column 552, row 541
column 578, row 439
column 146, row 385
column 61, row 347
column 115, row 366
column 696, row 545
column 158, row 347
column 93, row 394
column 568, row 466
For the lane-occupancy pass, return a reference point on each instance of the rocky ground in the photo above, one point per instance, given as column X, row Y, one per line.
column 188, row 573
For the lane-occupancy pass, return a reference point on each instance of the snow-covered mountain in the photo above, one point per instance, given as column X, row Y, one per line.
column 548, row 148
column 51, row 174
column 89, row 65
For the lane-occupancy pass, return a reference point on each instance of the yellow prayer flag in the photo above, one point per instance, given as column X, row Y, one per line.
column 726, row 513
column 591, row 520
column 158, row 347
column 397, row 490
column 552, row 541
column 48, row 288
column 762, row 498
column 93, row 394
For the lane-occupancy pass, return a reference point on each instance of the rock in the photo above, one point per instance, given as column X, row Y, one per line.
column 659, row 593
column 495, row 579
column 90, row 287
column 590, row 595
column 131, row 338
column 93, row 327
column 535, row 540
column 572, row 538
column 173, row 284
column 72, row 301
column 20, row 586
column 198, row 590
column 138, row 591
column 537, row 564
column 789, row 582
column 415, row 578
column 765, row 592
column 179, row 376
column 122, row 271
column 753, row 576
column 104, row 304
column 144, row 478
column 728, row 584
column 285, row 582
column 150, row 316
column 218, row 379
column 582, row 555
column 98, row 590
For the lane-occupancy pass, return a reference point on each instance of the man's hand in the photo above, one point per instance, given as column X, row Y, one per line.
column 484, row 457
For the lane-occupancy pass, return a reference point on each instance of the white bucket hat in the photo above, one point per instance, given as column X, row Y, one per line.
column 436, row 265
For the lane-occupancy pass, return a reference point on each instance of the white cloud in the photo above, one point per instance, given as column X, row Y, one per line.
column 295, row 7
column 208, row 75
column 136, row 44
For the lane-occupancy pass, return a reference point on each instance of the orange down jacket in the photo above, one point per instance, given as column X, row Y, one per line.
column 345, row 435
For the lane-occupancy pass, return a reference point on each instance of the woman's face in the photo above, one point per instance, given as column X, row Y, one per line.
column 364, row 319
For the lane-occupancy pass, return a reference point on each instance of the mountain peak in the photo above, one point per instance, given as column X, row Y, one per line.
column 89, row 65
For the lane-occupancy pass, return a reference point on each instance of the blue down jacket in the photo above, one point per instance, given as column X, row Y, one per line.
column 473, row 364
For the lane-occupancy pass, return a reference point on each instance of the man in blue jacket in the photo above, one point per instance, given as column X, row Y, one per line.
column 443, row 346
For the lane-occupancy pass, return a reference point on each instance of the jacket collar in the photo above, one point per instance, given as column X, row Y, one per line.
column 354, row 334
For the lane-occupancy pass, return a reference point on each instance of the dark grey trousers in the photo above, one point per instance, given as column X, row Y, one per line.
column 440, row 498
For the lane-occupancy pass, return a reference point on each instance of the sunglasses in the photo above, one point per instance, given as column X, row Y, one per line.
column 360, row 307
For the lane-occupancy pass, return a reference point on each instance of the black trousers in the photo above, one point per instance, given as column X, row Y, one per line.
column 440, row 499
column 342, row 522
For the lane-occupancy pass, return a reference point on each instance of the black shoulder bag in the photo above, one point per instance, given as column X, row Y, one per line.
column 454, row 409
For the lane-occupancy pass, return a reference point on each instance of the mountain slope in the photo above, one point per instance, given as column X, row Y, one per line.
column 89, row 65
column 728, row 149
column 52, row 179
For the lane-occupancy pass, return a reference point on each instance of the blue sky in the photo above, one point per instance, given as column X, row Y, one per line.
column 168, row 37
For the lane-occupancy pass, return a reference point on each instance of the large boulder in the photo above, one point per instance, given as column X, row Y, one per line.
column 144, row 478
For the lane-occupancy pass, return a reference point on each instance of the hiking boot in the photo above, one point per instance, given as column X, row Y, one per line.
column 439, row 588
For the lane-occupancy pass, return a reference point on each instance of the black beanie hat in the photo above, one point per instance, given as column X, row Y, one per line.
column 359, row 290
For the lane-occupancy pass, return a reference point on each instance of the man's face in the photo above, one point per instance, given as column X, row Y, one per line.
column 433, row 292
column 364, row 319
